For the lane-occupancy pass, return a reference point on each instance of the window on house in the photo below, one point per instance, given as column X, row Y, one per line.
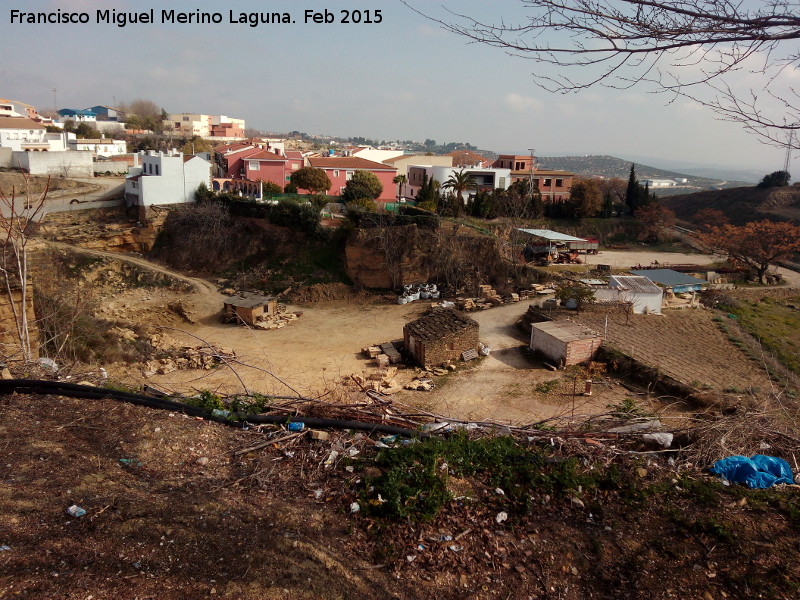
column 335, row 172
column 548, row 182
column 156, row 169
column 252, row 165
column 348, row 175
column 559, row 182
column 185, row 118
column 177, row 125
column 295, row 166
column 341, row 190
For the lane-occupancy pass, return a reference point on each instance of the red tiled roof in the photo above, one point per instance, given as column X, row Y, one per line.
column 348, row 162
column 465, row 158
column 294, row 154
column 265, row 155
column 230, row 148
column 19, row 123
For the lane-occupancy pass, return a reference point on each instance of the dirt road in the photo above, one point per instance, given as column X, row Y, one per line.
column 201, row 285
column 630, row 258
column 313, row 354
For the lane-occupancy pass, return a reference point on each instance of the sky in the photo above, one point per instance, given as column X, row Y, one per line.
column 402, row 78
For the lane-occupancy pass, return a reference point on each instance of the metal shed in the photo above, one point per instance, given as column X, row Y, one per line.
column 551, row 244
column 644, row 295
column 678, row 283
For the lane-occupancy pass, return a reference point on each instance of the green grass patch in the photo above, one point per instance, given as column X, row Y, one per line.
column 774, row 324
column 414, row 482
column 547, row 386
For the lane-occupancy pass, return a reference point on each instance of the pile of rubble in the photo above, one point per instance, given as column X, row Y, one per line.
column 490, row 298
column 281, row 319
column 203, row 357
column 423, row 382
column 384, row 354
column 383, row 380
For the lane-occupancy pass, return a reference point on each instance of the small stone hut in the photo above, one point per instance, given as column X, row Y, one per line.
column 249, row 308
column 440, row 337
column 564, row 343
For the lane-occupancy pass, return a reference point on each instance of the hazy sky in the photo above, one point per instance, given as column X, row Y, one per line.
column 404, row 78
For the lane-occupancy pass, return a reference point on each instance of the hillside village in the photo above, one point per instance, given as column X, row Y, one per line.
column 266, row 368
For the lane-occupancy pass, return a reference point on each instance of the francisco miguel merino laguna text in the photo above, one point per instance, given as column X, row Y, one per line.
column 253, row 19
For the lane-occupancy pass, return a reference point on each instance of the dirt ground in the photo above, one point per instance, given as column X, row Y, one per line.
column 630, row 258
column 178, row 508
column 312, row 355
column 503, row 386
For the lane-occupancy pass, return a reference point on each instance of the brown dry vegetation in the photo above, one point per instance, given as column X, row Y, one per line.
column 182, row 515
column 686, row 345
column 34, row 184
column 185, row 515
column 741, row 205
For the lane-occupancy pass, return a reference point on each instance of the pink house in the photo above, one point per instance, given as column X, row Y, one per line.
column 340, row 170
column 257, row 161
column 266, row 166
column 231, row 162
column 227, row 130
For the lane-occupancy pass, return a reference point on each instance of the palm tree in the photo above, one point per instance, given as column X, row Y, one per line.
column 401, row 181
column 460, row 182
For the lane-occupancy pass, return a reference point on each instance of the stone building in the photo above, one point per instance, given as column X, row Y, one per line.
column 564, row 343
column 440, row 337
column 250, row 308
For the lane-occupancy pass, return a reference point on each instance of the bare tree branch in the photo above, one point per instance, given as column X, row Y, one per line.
column 689, row 48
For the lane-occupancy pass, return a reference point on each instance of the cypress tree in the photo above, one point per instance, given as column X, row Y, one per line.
column 633, row 192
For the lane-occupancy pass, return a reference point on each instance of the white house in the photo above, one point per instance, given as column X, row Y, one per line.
column 102, row 147
column 488, row 179
column 643, row 294
column 21, row 134
column 7, row 109
column 165, row 178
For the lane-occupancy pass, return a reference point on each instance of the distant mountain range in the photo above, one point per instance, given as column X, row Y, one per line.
column 611, row 166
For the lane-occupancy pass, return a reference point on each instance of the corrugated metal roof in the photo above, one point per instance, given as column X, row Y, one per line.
column 566, row 331
column 668, row 277
column 635, row 283
column 553, row 236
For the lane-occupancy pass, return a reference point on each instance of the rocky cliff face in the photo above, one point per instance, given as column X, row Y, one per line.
column 451, row 255
column 9, row 342
column 103, row 229
column 386, row 257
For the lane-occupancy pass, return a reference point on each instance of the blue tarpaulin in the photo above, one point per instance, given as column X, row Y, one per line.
column 757, row 472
